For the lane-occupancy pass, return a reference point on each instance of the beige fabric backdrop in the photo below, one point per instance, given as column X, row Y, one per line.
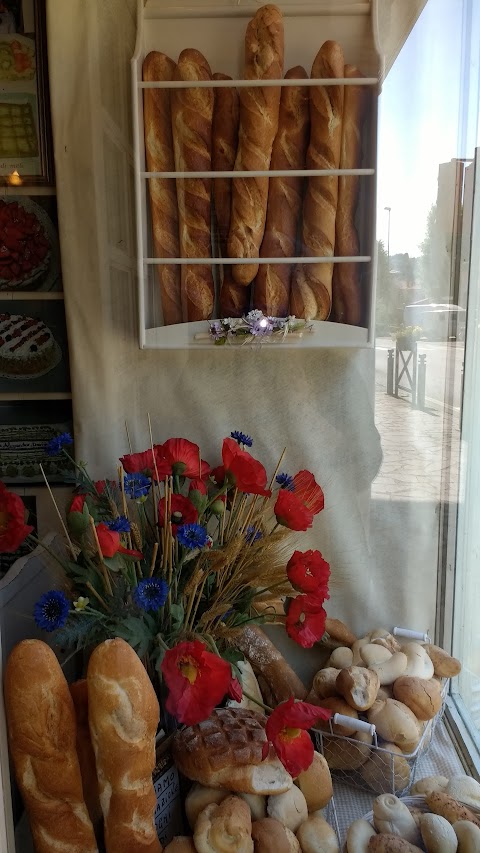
column 318, row 404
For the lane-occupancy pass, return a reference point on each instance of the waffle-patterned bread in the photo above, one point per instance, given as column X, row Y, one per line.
column 225, row 751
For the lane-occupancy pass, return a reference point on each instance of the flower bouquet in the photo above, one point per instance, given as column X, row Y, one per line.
column 176, row 557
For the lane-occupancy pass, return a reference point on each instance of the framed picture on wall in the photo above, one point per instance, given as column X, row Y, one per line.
column 33, row 347
column 25, row 127
column 25, row 430
column 29, row 245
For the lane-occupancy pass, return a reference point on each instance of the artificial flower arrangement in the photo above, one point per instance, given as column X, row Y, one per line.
column 176, row 557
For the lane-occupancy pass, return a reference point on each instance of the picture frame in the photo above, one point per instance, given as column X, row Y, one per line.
column 26, row 148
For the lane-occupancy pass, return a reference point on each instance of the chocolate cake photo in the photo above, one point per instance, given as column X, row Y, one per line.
column 33, row 347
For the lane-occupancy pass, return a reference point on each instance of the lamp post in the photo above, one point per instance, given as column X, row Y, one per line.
column 389, row 210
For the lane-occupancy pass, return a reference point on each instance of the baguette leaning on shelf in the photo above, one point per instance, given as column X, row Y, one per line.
column 259, row 109
column 162, row 191
column 347, row 295
column 271, row 291
column 123, row 715
column 42, row 732
column 192, row 114
column 311, row 294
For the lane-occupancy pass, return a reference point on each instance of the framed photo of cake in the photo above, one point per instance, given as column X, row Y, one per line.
column 29, row 245
column 25, row 128
column 33, row 347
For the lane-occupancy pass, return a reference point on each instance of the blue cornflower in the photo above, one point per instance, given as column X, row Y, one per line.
column 137, row 485
column 120, row 524
column 150, row 593
column 56, row 443
column 241, row 438
column 285, row 481
column 51, row 610
column 192, row 536
column 252, row 535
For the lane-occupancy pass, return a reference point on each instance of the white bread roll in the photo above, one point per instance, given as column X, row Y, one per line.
column 316, row 783
column 394, row 722
column 270, row 836
column 347, row 754
column 383, row 768
column 257, row 805
column 468, row 836
column 437, row 834
column 429, row 784
column 340, row 658
column 392, row 816
column 317, row 836
column 358, row 686
column 293, row 841
column 358, row 836
column 419, row 664
column 466, row 789
column 289, row 808
column 200, row 796
column 224, row 828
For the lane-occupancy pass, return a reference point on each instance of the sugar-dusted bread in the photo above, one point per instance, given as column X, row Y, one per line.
column 225, row 751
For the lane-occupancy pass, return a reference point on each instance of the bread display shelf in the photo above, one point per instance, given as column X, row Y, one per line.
column 217, row 29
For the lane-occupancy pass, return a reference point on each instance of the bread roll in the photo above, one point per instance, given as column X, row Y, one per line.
column 391, row 815
column 271, row 290
column 422, row 696
column 123, row 714
column 391, row 844
column 162, row 191
column 289, row 808
column 464, row 788
column 267, row 660
column 448, row 807
column 444, row 664
column 41, row 734
column 347, row 754
column 325, row 682
column 374, row 653
column 269, row 836
column 311, row 295
column 259, row 109
column 468, row 836
column 317, row 836
column 358, row 836
column 394, row 721
column 200, row 796
column 429, row 784
column 437, row 834
column 225, row 751
column 386, row 768
column 338, row 705
column 86, row 755
column 337, row 630
column 192, row 115
column 358, row 686
column 419, row 664
column 224, row 828
column 315, row 783
column 257, row 805
column 181, row 844
column 348, row 303
column 341, row 658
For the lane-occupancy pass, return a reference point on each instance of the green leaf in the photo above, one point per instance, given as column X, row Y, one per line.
column 232, row 655
column 198, row 500
column 136, row 633
column 114, row 564
column 177, row 614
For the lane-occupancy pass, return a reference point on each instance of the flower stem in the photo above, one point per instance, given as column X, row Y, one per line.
column 257, row 701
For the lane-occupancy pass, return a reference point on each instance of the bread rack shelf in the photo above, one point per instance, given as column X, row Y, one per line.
column 217, row 29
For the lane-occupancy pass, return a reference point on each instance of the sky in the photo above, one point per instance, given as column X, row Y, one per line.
column 423, row 121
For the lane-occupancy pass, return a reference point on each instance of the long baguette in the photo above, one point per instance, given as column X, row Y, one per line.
column 311, row 295
column 347, row 296
column 271, row 293
column 123, row 716
column 259, row 110
column 192, row 113
column 41, row 733
column 267, row 661
column 162, row 191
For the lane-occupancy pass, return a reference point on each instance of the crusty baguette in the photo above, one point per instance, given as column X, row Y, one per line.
column 234, row 298
column 259, row 110
column 348, row 305
column 192, row 114
column 269, row 663
column 162, row 191
column 41, row 733
column 311, row 294
column 271, row 291
column 86, row 755
column 123, row 715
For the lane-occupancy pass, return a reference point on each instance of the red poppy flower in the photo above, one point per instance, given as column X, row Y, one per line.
column 184, row 457
column 291, row 512
column 235, row 690
column 197, row 681
column 247, row 474
column 308, row 572
column 144, row 463
column 77, row 504
column 308, row 490
column 305, row 621
column 218, row 475
column 182, row 512
column 13, row 529
column 286, row 731
column 197, row 485
column 100, row 486
column 109, row 541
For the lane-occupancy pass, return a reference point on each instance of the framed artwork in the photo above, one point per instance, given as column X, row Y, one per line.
column 33, row 347
column 29, row 244
column 25, row 128
column 25, row 430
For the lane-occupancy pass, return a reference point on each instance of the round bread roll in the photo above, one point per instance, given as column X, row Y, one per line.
column 386, row 768
column 316, row 783
column 358, row 836
column 340, row 658
column 224, row 828
column 423, row 697
column 394, row 722
column 289, row 808
column 317, row 836
column 269, row 836
column 374, row 653
column 257, row 805
column 468, row 836
column 443, row 664
column 337, row 630
column 347, row 754
column 358, row 686
column 429, row 784
column 419, row 663
column 338, row 706
column 466, row 789
column 180, row 844
column 293, row 841
column 324, row 682
column 200, row 796
column 438, row 834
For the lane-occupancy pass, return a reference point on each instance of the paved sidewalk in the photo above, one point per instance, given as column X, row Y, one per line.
column 420, row 450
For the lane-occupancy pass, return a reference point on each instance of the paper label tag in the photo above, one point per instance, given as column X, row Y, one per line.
column 168, row 811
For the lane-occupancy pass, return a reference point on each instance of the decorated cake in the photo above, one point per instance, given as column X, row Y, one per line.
column 24, row 245
column 27, row 347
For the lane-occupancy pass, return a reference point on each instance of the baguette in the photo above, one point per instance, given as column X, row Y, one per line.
column 86, row 755
column 347, row 295
column 311, row 295
column 162, row 191
column 123, row 715
column 234, row 298
column 192, row 114
column 272, row 666
column 41, row 732
column 259, row 110
column 285, row 195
